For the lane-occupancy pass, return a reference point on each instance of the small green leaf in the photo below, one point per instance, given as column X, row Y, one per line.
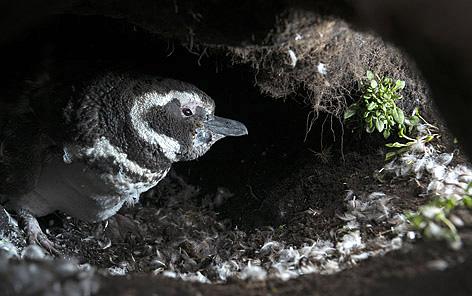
column 451, row 203
column 350, row 111
column 396, row 145
column 370, row 75
column 429, row 138
column 401, row 116
column 379, row 125
column 369, row 128
column 395, row 114
column 371, row 106
column 373, row 84
column 414, row 120
column 467, row 200
column 390, row 155
column 386, row 133
column 399, row 84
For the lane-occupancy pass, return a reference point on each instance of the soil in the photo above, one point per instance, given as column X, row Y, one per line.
column 279, row 182
column 398, row 273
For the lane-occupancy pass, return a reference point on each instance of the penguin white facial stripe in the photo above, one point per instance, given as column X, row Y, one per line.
column 104, row 149
column 169, row 146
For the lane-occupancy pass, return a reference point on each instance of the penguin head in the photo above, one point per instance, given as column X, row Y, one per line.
column 179, row 119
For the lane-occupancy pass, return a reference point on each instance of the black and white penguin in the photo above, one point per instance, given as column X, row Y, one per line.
column 88, row 151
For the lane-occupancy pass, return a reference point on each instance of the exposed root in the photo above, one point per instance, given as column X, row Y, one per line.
column 322, row 58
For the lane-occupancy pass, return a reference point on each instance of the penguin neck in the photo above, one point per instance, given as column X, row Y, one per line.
column 105, row 153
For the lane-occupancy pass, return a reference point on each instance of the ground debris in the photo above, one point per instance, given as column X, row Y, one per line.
column 36, row 274
column 189, row 242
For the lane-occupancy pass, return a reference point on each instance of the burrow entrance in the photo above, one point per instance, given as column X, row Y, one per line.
column 270, row 205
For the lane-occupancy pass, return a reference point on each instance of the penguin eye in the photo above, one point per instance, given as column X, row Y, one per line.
column 187, row 112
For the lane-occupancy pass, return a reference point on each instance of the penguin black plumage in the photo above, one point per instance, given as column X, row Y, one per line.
column 89, row 149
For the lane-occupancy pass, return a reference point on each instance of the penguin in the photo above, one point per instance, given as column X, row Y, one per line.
column 88, row 149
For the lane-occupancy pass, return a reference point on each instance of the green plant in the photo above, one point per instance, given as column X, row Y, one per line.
column 436, row 220
column 377, row 108
column 412, row 124
column 378, row 111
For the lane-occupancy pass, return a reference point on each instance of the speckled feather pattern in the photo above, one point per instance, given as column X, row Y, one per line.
column 104, row 108
column 114, row 139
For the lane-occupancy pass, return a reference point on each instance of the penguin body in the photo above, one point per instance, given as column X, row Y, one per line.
column 94, row 148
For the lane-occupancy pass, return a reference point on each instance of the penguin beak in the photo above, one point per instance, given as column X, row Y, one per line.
column 225, row 127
